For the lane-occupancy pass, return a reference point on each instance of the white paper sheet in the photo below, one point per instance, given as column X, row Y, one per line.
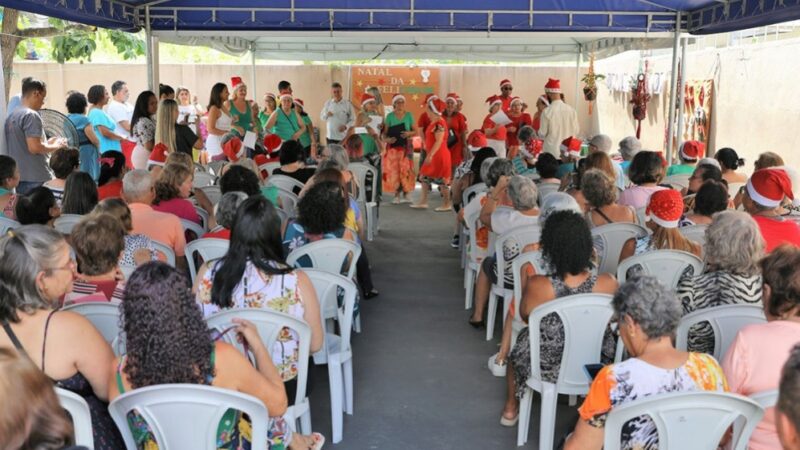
column 249, row 140
column 361, row 130
column 374, row 123
column 500, row 118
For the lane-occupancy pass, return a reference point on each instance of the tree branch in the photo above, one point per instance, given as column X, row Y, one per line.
column 51, row 31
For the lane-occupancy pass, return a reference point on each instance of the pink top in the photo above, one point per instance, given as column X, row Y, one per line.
column 181, row 207
column 637, row 196
column 753, row 364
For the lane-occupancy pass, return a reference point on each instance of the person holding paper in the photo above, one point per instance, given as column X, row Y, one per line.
column 367, row 129
column 494, row 126
column 244, row 113
column 338, row 114
column 559, row 121
column 398, row 173
column 456, row 131
column 519, row 119
column 436, row 167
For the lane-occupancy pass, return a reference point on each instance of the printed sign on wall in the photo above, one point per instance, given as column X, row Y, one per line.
column 414, row 83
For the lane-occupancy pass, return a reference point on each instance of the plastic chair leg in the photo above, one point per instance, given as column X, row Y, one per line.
column 470, row 287
column 347, row 369
column 305, row 422
column 337, row 402
column 547, row 419
column 524, row 422
column 357, row 323
column 507, row 295
column 573, row 400
column 491, row 315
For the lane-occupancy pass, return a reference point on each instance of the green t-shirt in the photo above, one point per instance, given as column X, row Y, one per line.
column 286, row 124
column 680, row 169
column 305, row 138
column 271, row 193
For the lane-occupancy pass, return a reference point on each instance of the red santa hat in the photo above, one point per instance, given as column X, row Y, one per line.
column 236, row 81
column 437, row 105
column 429, row 97
column 768, row 187
column 233, row 149
column 451, row 96
column 794, row 176
column 544, row 99
column 505, row 82
column 515, row 100
column 300, row 102
column 398, row 97
column 692, row 150
column 494, row 99
column 158, row 157
column 476, row 141
column 285, row 94
column 665, row 208
column 553, row 86
column 272, row 142
column 366, row 98
column 571, row 146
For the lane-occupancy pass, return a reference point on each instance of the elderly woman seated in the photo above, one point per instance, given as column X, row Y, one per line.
column 765, row 191
column 600, row 192
column 648, row 315
column 628, row 148
column 521, row 191
column 711, row 198
column 754, row 360
column 645, row 172
column 732, row 251
column 491, row 170
column 98, row 241
column 225, row 212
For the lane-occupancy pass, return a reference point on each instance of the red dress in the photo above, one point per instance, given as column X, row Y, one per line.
column 112, row 189
column 499, row 135
column 517, row 122
column 439, row 167
column 458, row 124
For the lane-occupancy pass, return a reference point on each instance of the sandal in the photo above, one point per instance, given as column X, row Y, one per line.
column 319, row 441
column 498, row 368
column 443, row 208
column 416, row 206
column 506, row 422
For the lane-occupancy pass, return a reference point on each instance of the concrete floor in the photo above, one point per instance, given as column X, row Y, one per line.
column 420, row 372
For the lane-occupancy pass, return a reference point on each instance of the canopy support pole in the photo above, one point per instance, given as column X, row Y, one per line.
column 681, row 102
column 578, row 74
column 3, row 112
column 151, row 53
column 253, row 65
column 673, row 82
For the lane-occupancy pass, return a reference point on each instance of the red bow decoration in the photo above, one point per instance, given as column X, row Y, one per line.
column 107, row 161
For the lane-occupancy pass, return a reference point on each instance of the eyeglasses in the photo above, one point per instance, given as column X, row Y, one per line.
column 70, row 266
column 507, row 88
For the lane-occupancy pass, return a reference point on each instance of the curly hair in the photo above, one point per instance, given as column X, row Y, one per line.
column 167, row 184
column 781, row 272
column 322, row 209
column 650, row 304
column 566, row 243
column 239, row 178
column 167, row 339
column 733, row 244
column 98, row 241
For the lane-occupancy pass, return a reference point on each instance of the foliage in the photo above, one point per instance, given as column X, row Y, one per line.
column 128, row 45
column 591, row 78
column 73, row 46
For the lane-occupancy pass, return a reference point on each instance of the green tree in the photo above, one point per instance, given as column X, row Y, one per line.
column 69, row 41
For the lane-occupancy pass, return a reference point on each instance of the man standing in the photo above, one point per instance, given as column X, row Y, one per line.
column 505, row 95
column 559, row 120
column 121, row 112
column 25, row 139
column 338, row 114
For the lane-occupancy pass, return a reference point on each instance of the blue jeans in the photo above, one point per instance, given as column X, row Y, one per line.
column 26, row 186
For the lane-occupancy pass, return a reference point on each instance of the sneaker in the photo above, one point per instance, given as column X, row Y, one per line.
column 497, row 369
column 454, row 242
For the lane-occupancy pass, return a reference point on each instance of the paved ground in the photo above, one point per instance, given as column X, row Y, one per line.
column 420, row 373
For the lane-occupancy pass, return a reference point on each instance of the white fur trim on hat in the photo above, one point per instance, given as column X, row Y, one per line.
column 663, row 223
column 398, row 97
column 289, row 96
column 760, row 199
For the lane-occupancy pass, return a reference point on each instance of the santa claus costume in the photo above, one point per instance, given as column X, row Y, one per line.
column 495, row 134
column 505, row 94
column 765, row 192
column 519, row 119
column 436, row 166
column 456, row 130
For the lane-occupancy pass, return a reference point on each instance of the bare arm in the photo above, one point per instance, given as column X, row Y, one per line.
column 301, row 126
column 211, row 124
column 89, row 131
column 126, row 125
column 585, row 437
column 272, row 119
column 37, row 147
column 108, row 134
column 234, row 371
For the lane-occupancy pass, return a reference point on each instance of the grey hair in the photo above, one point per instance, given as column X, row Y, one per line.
column 558, row 201
column 225, row 211
column 598, row 188
column 789, row 397
column 629, row 147
column 500, row 167
column 710, row 161
column 339, row 154
column 248, row 163
column 602, row 142
column 523, row 193
column 485, row 165
column 328, row 164
column 525, row 133
column 136, row 184
column 734, row 243
column 24, row 253
column 650, row 304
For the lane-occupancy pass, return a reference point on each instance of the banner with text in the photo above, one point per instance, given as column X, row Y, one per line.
column 413, row 82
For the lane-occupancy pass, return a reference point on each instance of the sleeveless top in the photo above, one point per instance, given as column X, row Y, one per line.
column 286, row 125
column 214, row 142
column 104, row 431
column 244, row 118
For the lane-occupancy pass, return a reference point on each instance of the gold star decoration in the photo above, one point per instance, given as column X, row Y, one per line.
column 414, row 97
column 359, row 83
column 412, row 82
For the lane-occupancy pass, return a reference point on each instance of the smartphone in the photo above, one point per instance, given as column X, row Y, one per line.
column 592, row 370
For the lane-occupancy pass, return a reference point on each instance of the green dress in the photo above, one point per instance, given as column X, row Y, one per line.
column 286, row 125
column 305, row 138
column 370, row 146
column 242, row 119
column 407, row 120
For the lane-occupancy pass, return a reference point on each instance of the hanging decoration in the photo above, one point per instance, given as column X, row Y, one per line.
column 640, row 99
column 590, row 83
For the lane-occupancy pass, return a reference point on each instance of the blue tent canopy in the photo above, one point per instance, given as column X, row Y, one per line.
column 600, row 16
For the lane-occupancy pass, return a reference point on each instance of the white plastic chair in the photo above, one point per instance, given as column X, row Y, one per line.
column 269, row 324
column 613, row 237
column 535, row 259
column 166, row 250
column 269, row 167
column 468, row 194
column 78, row 410
column 585, row 318
column 336, row 351
column 66, row 222
column 105, row 317
column 677, row 182
column 687, row 420
column 284, row 182
column 522, row 236
column 8, row 224
column 194, row 227
column 765, row 399
column 208, row 249
column 666, row 265
column 329, row 255
column 186, row 416
column 473, row 264
column 288, row 200
column 202, row 179
column 213, row 193
column 726, row 321
column 370, row 207
column 204, row 217
column 695, row 233
column 545, row 189
column 215, row 167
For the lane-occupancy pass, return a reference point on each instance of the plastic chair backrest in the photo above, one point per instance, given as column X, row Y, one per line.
column 677, row 182
column 103, row 315
column 545, row 189
column 288, row 200
column 695, row 233
column 687, row 420
column 474, row 224
column 202, row 179
column 585, row 318
column 470, row 192
column 269, row 167
column 328, row 255
column 208, row 249
column 215, row 167
column 613, row 237
column 270, row 325
column 183, row 416
column 360, row 171
column 78, row 410
column 522, row 236
column 166, row 250
column 66, row 222
column 194, row 227
column 666, row 265
column 284, row 182
column 726, row 321
column 213, row 193
column 203, row 216
column 328, row 286
column 535, row 259
column 8, row 224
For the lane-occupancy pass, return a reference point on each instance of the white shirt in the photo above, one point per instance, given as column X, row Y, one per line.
column 341, row 114
column 559, row 121
column 505, row 219
column 120, row 112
